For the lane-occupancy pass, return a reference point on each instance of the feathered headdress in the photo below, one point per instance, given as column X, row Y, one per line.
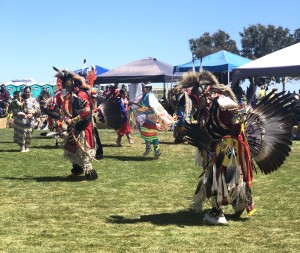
column 268, row 129
column 65, row 76
column 204, row 79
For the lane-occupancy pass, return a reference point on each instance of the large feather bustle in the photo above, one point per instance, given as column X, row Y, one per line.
column 224, row 90
column 188, row 80
column 268, row 129
column 198, row 136
column 207, row 78
column 111, row 110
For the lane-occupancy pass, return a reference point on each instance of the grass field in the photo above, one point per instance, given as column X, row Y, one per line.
column 137, row 204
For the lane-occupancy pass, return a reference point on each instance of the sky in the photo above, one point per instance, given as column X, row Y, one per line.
column 36, row 35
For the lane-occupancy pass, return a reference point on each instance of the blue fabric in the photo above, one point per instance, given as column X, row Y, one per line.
column 221, row 61
column 99, row 70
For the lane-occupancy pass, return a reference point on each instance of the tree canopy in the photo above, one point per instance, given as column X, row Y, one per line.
column 208, row 44
column 256, row 41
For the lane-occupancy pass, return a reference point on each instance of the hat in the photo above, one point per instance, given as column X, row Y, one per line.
column 147, row 85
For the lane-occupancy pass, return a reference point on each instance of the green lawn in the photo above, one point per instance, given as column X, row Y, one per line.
column 137, row 204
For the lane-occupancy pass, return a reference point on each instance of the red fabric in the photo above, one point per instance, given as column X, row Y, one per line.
column 85, row 113
column 125, row 129
column 58, row 84
column 91, row 77
column 59, row 99
column 244, row 151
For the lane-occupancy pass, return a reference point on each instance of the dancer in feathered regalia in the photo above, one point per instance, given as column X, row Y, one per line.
column 182, row 106
column 231, row 141
column 148, row 111
column 79, row 145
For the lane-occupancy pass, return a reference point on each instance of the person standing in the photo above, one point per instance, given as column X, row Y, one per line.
column 125, row 126
column 25, row 119
column 79, row 147
column 99, row 150
column 147, row 110
column 4, row 100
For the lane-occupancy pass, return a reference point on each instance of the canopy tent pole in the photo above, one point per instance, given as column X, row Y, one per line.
column 228, row 77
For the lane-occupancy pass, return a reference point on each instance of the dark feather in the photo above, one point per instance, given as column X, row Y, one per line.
column 268, row 129
column 197, row 136
column 56, row 69
column 220, row 159
column 230, row 172
column 112, row 111
column 51, row 113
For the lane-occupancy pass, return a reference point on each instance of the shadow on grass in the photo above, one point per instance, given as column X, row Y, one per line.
column 129, row 158
column 167, row 143
column 47, row 147
column 10, row 150
column 48, row 179
column 180, row 218
column 110, row 146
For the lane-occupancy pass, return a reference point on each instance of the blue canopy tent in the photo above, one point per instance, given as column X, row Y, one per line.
column 222, row 61
column 99, row 70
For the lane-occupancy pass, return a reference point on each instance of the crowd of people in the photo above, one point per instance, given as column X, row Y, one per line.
column 207, row 115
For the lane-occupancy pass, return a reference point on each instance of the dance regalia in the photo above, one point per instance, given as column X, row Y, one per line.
column 182, row 107
column 24, row 121
column 149, row 117
column 125, row 126
column 230, row 141
column 79, row 146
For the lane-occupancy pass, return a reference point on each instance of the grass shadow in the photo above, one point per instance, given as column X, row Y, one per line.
column 129, row 158
column 234, row 217
column 167, row 143
column 10, row 150
column 48, row 179
column 46, row 147
column 110, row 146
column 180, row 218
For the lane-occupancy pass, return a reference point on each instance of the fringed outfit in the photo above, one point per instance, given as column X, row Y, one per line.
column 24, row 120
column 182, row 105
column 149, row 117
column 125, row 128
column 230, row 141
column 79, row 146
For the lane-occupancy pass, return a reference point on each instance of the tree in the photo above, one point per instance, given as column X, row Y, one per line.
column 258, row 40
column 297, row 35
column 208, row 44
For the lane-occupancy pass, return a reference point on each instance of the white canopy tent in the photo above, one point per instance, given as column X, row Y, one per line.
column 283, row 63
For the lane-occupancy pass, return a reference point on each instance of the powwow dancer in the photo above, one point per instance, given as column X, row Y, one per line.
column 149, row 111
column 51, row 105
column 230, row 141
column 79, row 146
column 24, row 120
column 125, row 126
column 99, row 151
column 182, row 106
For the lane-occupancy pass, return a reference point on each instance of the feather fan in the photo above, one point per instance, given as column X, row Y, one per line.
column 197, row 136
column 112, row 112
column 268, row 129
